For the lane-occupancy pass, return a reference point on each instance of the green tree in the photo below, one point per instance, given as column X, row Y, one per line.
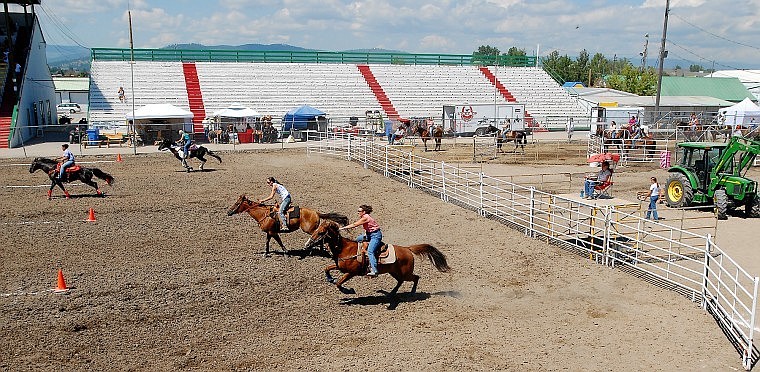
column 696, row 68
column 485, row 55
column 632, row 80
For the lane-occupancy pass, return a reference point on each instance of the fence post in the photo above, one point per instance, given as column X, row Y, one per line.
column 607, row 229
column 705, row 270
column 481, row 211
column 385, row 171
column 348, row 154
column 532, row 212
column 443, row 182
column 750, row 347
column 411, row 171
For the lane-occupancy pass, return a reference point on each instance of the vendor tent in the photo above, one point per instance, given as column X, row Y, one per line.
column 237, row 110
column 299, row 117
column 743, row 113
column 160, row 111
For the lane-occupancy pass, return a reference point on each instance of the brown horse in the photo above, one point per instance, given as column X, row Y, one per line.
column 267, row 217
column 344, row 253
column 615, row 137
column 425, row 134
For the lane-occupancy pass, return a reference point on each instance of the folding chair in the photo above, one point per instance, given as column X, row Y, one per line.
column 604, row 188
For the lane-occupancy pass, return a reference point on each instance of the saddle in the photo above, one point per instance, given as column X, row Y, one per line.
column 71, row 169
column 386, row 253
column 293, row 212
column 193, row 147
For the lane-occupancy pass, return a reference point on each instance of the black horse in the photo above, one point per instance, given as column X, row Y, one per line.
column 73, row 173
column 195, row 152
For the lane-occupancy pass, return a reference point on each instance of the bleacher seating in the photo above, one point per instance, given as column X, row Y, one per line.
column 154, row 82
column 544, row 98
column 338, row 89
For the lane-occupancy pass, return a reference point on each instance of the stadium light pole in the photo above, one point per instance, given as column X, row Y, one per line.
column 663, row 53
column 132, row 73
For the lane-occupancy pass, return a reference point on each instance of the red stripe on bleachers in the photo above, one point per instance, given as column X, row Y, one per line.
column 382, row 98
column 6, row 115
column 194, row 97
column 506, row 94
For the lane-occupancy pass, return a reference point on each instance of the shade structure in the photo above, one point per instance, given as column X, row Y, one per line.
column 237, row 110
column 299, row 117
column 160, row 111
column 742, row 113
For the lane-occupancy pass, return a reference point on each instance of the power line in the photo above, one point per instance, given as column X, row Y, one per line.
column 61, row 26
column 710, row 59
column 716, row 35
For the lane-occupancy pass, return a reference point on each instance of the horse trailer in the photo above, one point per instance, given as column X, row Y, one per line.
column 474, row 119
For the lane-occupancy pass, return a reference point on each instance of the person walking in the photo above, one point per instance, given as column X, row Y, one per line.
column 654, row 194
column 372, row 232
column 284, row 194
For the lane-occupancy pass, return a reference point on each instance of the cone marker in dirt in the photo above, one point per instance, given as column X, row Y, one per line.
column 61, row 287
column 118, row 157
column 91, row 216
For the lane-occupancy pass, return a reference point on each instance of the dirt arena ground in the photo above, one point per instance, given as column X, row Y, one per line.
column 164, row 280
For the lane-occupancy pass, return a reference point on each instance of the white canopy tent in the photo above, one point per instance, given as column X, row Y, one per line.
column 157, row 121
column 160, row 111
column 744, row 113
column 237, row 110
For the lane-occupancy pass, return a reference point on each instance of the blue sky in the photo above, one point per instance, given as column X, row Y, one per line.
column 703, row 32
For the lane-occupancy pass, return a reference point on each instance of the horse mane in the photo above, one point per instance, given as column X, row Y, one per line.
column 44, row 160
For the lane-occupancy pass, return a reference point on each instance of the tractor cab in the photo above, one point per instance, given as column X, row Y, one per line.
column 700, row 159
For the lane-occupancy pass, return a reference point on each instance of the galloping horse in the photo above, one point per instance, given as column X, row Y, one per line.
column 267, row 217
column 345, row 256
column 74, row 173
column 425, row 133
column 195, row 152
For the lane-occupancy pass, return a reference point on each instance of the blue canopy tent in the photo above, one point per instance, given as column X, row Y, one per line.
column 299, row 117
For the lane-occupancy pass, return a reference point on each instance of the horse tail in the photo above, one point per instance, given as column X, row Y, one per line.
column 435, row 256
column 337, row 217
column 103, row 176
column 214, row 155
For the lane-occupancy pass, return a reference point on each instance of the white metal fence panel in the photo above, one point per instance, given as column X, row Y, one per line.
column 679, row 259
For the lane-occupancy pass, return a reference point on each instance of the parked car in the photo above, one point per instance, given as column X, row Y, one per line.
column 68, row 107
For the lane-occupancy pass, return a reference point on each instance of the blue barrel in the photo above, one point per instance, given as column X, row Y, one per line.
column 92, row 135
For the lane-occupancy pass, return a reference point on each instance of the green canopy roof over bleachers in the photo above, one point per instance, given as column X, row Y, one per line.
column 729, row 89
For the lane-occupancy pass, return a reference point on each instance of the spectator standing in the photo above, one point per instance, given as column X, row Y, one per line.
column 654, row 194
column 122, row 97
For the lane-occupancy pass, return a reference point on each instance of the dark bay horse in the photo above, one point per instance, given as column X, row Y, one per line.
column 267, row 217
column 198, row 152
column 425, row 134
column 344, row 253
column 519, row 137
column 617, row 137
column 74, row 173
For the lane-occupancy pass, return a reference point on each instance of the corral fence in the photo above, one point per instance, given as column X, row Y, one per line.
column 677, row 259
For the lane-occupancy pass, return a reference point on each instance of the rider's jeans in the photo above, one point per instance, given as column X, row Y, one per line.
column 65, row 165
column 375, row 238
column 283, row 211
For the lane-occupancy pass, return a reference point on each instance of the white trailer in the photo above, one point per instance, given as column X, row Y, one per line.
column 604, row 116
column 474, row 119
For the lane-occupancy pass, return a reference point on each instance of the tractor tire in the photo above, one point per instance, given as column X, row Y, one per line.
column 753, row 207
column 721, row 204
column 679, row 193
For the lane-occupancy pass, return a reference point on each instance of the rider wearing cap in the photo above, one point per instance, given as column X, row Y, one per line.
column 67, row 159
column 185, row 138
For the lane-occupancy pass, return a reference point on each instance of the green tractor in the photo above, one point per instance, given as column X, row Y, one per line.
column 715, row 172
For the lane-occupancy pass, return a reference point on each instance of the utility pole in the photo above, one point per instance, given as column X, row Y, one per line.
column 644, row 53
column 663, row 54
column 132, row 73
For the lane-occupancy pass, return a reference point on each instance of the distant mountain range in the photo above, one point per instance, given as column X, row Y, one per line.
column 78, row 58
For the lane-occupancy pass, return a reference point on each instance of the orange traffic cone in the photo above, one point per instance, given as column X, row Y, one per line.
column 61, row 287
column 118, row 157
column 91, row 217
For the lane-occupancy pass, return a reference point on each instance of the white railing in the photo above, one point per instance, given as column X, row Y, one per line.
column 682, row 260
